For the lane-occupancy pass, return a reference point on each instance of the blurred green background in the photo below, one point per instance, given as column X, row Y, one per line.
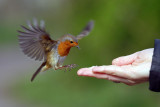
column 121, row 27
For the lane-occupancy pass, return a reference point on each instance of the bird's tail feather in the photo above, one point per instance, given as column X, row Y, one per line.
column 38, row 70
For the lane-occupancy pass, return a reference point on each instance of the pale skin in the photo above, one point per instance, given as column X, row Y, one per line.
column 131, row 69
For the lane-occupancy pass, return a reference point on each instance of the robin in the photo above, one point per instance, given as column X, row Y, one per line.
column 37, row 44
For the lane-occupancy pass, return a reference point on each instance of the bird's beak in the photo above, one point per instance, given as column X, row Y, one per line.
column 78, row 47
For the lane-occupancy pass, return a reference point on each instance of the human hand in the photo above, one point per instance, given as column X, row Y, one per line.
column 130, row 70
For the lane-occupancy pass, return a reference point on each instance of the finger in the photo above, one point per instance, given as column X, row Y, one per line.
column 125, row 60
column 111, row 78
column 88, row 72
column 119, row 71
column 82, row 71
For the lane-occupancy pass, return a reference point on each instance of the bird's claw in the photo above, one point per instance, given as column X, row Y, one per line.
column 70, row 67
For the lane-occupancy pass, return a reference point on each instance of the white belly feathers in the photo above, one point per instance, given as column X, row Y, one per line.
column 54, row 57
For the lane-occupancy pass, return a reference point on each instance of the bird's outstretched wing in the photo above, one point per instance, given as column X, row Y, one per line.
column 86, row 30
column 35, row 41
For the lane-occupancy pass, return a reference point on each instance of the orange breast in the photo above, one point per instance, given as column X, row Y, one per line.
column 63, row 49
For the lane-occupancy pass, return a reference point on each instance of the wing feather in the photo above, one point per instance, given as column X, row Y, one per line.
column 86, row 30
column 34, row 40
column 27, row 30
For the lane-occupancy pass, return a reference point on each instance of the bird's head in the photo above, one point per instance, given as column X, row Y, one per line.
column 69, row 41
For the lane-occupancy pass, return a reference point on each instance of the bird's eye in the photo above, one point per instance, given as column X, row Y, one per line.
column 71, row 41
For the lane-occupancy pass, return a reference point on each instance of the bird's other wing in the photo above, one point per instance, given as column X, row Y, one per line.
column 86, row 30
column 35, row 41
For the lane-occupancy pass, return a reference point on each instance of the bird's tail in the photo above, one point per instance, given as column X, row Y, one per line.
column 38, row 70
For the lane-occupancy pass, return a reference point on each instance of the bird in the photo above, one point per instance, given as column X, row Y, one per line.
column 36, row 43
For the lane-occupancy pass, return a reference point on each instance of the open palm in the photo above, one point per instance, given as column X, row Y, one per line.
column 131, row 69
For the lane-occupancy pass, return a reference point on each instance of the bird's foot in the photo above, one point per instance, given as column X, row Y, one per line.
column 68, row 67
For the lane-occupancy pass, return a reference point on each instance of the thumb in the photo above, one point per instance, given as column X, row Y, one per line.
column 125, row 60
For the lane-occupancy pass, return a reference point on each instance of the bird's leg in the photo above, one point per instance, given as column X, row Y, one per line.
column 71, row 66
